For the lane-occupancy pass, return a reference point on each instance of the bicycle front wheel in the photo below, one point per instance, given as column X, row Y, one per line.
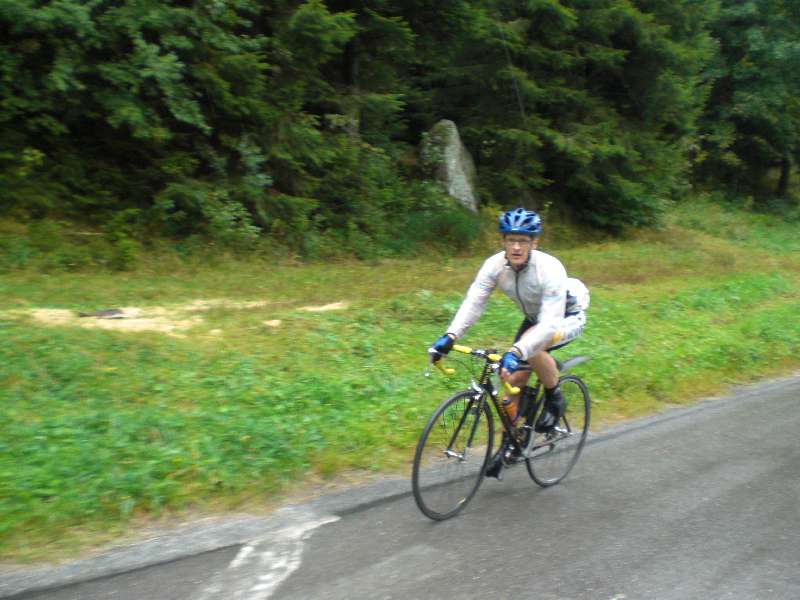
column 554, row 454
column 451, row 455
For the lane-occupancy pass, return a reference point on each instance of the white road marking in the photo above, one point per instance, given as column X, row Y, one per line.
column 263, row 564
column 243, row 553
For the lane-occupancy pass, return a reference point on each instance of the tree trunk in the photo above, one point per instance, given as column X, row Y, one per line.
column 352, row 107
column 351, row 64
column 783, row 181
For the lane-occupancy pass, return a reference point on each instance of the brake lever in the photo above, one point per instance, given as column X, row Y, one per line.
column 437, row 363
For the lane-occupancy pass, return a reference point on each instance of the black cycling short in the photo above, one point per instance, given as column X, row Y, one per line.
column 524, row 326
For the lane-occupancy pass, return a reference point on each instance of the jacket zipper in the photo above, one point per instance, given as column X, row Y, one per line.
column 516, row 288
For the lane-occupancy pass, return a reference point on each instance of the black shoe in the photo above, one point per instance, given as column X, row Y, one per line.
column 495, row 468
column 497, row 463
column 552, row 412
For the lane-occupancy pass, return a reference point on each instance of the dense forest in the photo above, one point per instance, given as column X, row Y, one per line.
column 301, row 121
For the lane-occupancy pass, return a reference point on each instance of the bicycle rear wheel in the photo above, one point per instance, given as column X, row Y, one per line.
column 451, row 455
column 554, row 454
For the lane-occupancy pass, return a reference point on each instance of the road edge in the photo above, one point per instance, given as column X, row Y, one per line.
column 212, row 534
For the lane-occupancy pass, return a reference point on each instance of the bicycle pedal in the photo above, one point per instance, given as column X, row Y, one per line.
column 556, row 433
column 512, row 457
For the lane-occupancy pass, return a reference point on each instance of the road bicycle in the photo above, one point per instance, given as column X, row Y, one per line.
column 456, row 444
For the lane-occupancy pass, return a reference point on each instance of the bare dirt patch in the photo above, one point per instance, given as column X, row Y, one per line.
column 201, row 305
column 325, row 307
column 131, row 318
column 52, row 316
column 170, row 320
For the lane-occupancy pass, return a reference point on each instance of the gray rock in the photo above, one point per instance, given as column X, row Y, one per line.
column 108, row 313
column 443, row 155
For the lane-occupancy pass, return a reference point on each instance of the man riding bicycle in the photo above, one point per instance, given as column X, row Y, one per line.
column 552, row 304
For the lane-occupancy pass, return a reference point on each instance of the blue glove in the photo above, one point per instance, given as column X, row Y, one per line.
column 510, row 362
column 441, row 346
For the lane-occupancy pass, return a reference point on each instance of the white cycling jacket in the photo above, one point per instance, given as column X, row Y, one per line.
column 577, row 296
column 539, row 290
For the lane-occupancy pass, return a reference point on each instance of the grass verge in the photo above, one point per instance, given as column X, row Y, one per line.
column 103, row 428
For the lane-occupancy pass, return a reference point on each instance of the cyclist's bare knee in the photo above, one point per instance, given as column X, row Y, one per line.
column 545, row 368
column 519, row 378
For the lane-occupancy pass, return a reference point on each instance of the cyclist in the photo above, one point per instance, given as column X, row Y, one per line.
column 553, row 316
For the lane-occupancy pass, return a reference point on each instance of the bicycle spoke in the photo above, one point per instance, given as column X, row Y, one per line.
column 553, row 455
column 448, row 466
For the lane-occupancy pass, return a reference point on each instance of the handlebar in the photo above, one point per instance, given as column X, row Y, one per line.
column 489, row 356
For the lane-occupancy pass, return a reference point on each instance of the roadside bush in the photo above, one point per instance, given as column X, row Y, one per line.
column 15, row 252
column 125, row 254
column 191, row 205
column 45, row 236
column 69, row 257
column 453, row 227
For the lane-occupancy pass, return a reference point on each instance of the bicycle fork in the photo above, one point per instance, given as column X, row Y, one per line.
column 476, row 404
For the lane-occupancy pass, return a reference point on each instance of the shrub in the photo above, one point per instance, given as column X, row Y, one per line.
column 452, row 226
column 124, row 255
column 15, row 252
column 45, row 236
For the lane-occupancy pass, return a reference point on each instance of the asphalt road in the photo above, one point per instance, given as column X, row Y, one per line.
column 699, row 503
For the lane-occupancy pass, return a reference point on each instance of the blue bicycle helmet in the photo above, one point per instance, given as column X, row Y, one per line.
column 520, row 220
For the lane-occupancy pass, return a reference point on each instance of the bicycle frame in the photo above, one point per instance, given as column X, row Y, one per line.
column 520, row 437
column 530, row 399
column 483, row 388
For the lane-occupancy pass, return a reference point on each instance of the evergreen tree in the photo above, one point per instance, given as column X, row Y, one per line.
column 588, row 103
column 299, row 119
column 187, row 114
column 752, row 124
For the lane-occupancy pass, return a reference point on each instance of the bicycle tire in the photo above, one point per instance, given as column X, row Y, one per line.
column 451, row 455
column 551, row 462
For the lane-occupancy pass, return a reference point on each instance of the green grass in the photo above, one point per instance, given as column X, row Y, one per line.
column 105, row 429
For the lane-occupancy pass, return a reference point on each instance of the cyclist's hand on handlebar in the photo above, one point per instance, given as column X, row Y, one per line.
column 441, row 346
column 510, row 363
